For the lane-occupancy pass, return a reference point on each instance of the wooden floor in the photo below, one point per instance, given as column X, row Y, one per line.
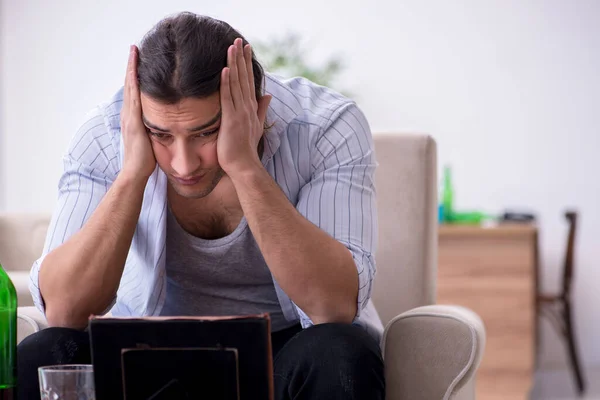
column 558, row 385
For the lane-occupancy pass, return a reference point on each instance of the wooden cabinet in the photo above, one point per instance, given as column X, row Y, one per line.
column 493, row 272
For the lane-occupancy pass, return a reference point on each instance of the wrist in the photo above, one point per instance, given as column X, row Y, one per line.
column 246, row 170
column 132, row 178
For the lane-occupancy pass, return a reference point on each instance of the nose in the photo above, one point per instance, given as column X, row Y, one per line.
column 184, row 161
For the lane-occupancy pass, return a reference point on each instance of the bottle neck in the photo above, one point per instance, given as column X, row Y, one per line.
column 447, row 177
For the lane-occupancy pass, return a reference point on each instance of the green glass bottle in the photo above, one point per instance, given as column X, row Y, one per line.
column 8, row 337
column 448, row 195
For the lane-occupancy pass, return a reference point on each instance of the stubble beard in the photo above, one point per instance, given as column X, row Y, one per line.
column 202, row 192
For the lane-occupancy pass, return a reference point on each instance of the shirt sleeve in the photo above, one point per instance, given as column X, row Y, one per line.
column 90, row 166
column 340, row 195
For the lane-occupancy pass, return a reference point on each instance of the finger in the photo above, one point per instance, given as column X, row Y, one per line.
column 134, row 89
column 243, row 74
column 250, row 70
column 263, row 106
column 226, row 100
column 234, row 80
column 126, row 88
column 129, row 63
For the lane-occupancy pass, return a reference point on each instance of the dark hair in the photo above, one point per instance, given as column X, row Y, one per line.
column 183, row 56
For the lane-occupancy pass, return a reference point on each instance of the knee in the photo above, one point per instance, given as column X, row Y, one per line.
column 336, row 361
column 346, row 346
column 62, row 343
column 48, row 347
column 50, row 336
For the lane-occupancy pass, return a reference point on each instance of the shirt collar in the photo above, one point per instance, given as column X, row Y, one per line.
column 279, row 116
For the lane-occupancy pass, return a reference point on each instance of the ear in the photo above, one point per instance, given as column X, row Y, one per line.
column 263, row 105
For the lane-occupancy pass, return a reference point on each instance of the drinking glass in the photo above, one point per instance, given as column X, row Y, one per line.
column 67, row 382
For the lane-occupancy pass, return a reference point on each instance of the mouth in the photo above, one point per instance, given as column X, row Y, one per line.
column 188, row 181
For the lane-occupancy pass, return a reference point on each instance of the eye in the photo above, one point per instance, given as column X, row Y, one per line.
column 158, row 135
column 207, row 133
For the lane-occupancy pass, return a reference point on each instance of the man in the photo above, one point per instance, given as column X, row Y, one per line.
column 195, row 191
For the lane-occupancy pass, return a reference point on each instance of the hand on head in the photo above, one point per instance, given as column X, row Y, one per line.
column 243, row 115
column 138, row 159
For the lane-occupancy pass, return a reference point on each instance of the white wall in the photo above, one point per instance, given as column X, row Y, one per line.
column 509, row 88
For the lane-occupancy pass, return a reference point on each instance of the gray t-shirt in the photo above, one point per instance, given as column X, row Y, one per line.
column 226, row 276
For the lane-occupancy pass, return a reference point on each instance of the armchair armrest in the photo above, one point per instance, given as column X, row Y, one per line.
column 29, row 321
column 433, row 352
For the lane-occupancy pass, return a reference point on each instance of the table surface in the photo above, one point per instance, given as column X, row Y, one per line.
column 504, row 229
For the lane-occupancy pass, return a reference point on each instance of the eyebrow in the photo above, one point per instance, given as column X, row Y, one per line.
column 195, row 129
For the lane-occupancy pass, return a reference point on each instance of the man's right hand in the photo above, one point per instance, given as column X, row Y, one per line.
column 82, row 274
column 138, row 160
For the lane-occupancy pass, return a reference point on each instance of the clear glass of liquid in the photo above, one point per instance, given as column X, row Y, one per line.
column 67, row 382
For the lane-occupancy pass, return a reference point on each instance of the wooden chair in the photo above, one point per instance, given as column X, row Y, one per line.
column 558, row 307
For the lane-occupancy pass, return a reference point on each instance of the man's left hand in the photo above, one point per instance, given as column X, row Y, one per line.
column 243, row 116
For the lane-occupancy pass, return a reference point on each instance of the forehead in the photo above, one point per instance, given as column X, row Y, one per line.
column 189, row 109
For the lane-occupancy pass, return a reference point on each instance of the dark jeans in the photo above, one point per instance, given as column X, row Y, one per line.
column 326, row 361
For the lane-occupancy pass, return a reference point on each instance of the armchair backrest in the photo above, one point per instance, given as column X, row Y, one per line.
column 22, row 237
column 406, row 184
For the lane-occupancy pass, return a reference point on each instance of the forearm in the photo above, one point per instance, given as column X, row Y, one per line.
column 314, row 269
column 81, row 276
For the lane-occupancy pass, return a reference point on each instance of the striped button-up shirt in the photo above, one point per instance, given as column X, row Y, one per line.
column 319, row 151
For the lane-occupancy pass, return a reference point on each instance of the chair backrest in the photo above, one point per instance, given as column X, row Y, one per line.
column 569, row 265
column 22, row 237
column 406, row 184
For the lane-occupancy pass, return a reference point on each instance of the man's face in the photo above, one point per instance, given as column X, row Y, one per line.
column 184, row 140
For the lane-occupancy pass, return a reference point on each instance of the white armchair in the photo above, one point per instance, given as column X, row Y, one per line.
column 430, row 351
